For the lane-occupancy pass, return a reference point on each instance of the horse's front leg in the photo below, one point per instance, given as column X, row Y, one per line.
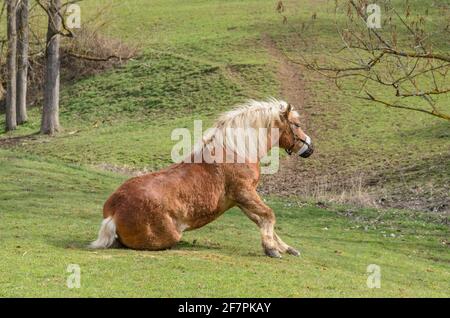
column 263, row 216
column 284, row 247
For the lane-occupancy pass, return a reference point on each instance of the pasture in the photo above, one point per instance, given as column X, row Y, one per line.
column 196, row 59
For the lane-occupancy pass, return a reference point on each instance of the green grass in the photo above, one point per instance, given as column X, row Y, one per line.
column 50, row 212
column 197, row 59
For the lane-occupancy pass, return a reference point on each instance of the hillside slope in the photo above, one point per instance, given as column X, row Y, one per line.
column 199, row 58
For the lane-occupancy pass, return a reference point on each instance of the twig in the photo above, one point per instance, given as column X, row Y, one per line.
column 97, row 59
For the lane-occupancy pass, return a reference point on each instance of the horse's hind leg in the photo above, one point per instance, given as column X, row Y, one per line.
column 155, row 234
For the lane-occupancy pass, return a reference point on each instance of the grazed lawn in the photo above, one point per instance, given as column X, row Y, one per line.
column 198, row 58
column 50, row 211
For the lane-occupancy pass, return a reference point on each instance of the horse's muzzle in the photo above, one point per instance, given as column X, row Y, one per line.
column 307, row 148
column 308, row 152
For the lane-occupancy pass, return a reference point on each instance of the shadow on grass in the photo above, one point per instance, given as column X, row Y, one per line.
column 12, row 141
column 197, row 246
column 439, row 130
column 69, row 243
column 76, row 243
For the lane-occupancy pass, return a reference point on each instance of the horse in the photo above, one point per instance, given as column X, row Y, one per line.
column 151, row 212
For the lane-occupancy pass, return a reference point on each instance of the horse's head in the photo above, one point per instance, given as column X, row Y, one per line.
column 292, row 137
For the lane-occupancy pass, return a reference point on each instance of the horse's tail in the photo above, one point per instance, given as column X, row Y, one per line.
column 106, row 235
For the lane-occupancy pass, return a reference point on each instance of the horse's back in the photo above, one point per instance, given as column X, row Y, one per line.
column 185, row 182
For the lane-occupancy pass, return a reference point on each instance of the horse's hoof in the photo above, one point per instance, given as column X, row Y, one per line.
column 272, row 253
column 293, row 251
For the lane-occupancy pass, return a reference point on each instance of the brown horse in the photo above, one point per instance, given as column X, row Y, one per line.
column 150, row 212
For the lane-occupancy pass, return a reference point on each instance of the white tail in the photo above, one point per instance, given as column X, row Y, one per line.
column 106, row 235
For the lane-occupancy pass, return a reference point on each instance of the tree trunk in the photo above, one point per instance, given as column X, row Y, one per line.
column 11, row 65
column 50, row 113
column 22, row 61
column 2, row 92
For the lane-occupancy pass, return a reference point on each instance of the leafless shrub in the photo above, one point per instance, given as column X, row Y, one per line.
column 85, row 55
column 402, row 58
column 89, row 53
column 331, row 188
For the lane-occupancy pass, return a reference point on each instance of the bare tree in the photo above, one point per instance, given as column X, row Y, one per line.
column 11, row 65
column 403, row 63
column 22, row 60
column 50, row 113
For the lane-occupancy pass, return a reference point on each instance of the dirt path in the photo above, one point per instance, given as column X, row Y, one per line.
column 290, row 179
column 292, row 84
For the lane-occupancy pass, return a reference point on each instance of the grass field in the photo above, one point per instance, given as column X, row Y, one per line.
column 50, row 212
column 197, row 58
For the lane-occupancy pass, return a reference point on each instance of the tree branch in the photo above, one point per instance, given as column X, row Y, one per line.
column 433, row 112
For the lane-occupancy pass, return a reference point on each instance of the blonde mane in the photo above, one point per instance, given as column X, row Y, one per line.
column 235, row 124
column 255, row 114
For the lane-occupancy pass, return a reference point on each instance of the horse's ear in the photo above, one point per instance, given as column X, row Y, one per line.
column 287, row 111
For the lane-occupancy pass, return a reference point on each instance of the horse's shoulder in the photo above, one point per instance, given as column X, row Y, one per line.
column 243, row 175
